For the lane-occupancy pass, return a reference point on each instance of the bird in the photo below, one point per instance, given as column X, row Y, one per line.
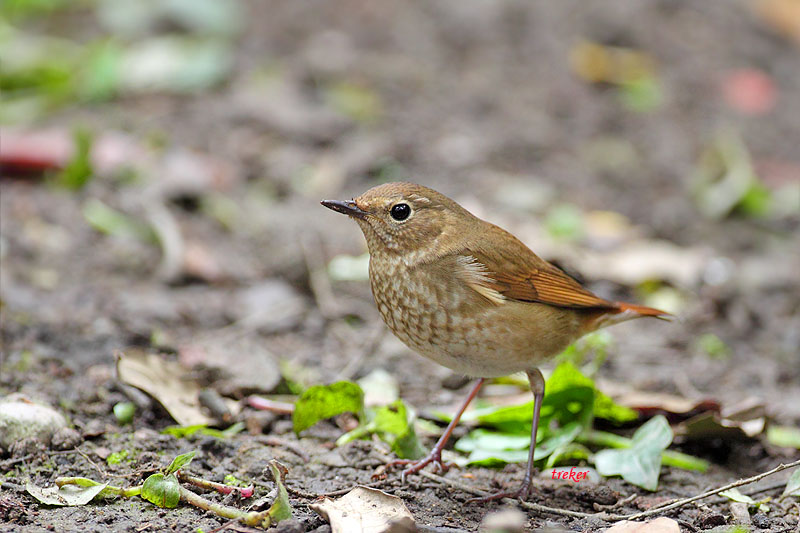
column 470, row 296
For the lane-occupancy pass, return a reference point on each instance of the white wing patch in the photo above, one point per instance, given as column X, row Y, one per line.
column 478, row 277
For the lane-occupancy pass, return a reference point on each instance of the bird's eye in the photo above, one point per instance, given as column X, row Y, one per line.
column 400, row 212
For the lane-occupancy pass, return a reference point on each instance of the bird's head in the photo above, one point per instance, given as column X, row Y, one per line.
column 406, row 219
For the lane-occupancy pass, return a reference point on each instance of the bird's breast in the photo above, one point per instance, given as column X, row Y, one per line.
column 439, row 316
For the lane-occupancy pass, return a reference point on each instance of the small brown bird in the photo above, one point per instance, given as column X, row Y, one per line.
column 470, row 296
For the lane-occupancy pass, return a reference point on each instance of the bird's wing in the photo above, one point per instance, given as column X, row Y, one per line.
column 514, row 272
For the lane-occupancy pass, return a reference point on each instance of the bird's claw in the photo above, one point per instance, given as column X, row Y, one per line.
column 521, row 494
column 415, row 466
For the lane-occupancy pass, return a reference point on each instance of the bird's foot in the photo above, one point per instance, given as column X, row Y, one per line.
column 435, row 458
column 521, row 494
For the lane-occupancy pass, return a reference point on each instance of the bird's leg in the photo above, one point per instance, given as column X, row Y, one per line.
column 435, row 456
column 537, row 388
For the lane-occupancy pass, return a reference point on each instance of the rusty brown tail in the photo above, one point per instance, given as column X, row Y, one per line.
column 644, row 311
column 621, row 312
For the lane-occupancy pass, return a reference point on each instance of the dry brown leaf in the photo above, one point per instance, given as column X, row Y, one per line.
column 161, row 379
column 782, row 16
column 659, row 525
column 366, row 510
column 244, row 365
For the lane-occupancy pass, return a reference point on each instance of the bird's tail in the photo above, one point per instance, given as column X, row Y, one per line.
column 641, row 310
column 624, row 312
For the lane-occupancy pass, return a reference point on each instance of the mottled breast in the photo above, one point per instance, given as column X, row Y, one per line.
column 436, row 314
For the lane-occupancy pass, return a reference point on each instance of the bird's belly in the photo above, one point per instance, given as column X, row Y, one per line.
column 445, row 325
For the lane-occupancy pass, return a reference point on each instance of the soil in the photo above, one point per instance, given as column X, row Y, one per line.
column 477, row 100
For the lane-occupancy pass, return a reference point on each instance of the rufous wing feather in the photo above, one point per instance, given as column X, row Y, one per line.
column 536, row 281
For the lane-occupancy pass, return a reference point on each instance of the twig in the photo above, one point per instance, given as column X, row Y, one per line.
column 11, row 462
column 617, row 505
column 681, row 503
column 332, row 494
column 277, row 441
column 244, row 492
column 265, row 404
column 526, row 505
column 603, row 515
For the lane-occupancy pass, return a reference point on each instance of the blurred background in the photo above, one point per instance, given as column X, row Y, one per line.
column 163, row 162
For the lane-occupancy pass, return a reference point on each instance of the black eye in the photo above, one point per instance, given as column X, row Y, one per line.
column 400, row 212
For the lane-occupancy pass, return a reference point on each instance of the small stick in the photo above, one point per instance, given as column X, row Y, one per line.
column 613, row 517
column 681, row 503
column 265, row 404
column 269, row 440
column 526, row 505
column 617, row 505
column 244, row 492
column 333, row 493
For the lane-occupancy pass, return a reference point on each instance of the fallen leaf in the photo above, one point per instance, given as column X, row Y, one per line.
column 324, row 401
column 641, row 463
column 735, row 495
column 271, row 306
column 659, row 525
column 782, row 16
column 724, row 180
column 597, row 63
column 174, row 64
column 366, row 510
column 162, row 380
column 793, row 485
column 66, row 495
column 380, row 388
column 508, row 520
column 785, row 436
column 244, row 365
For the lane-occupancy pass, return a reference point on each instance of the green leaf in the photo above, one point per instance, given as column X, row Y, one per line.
column 281, row 509
column 569, row 397
column 78, row 170
column 181, row 461
column 100, row 71
column 117, row 457
column 407, row 445
column 492, row 441
column 201, row 429
column 560, row 438
column 785, row 436
column 161, row 490
column 115, row 223
column 568, row 452
column 567, row 376
column 642, row 94
column 490, row 448
column 393, row 425
column 324, row 401
column 734, row 495
column 66, row 495
column 713, row 346
column 793, row 485
column 565, row 222
column 124, row 412
column 641, row 463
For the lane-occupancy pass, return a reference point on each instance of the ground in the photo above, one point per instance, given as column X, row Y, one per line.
column 485, row 102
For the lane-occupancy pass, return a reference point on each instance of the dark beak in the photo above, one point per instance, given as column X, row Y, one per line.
column 347, row 207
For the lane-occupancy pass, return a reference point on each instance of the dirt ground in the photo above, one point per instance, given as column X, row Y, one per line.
column 476, row 99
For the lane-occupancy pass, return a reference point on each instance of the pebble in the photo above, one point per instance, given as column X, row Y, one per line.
column 21, row 418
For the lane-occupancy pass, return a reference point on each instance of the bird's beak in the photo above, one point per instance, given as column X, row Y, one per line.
column 348, row 207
